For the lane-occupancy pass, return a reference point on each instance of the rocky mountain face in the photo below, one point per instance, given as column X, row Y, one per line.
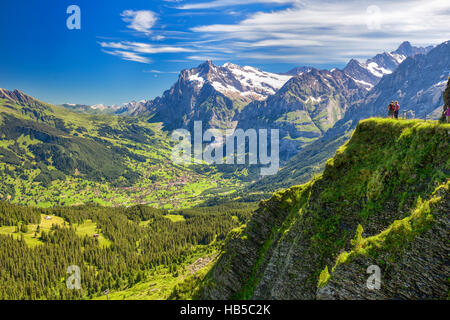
column 247, row 83
column 132, row 108
column 304, row 108
column 407, row 50
column 20, row 98
column 369, row 73
column 420, row 270
column 302, row 103
column 213, row 94
column 418, row 84
column 297, row 71
column 305, row 104
column 29, row 107
column 208, row 92
column 382, row 200
column 193, row 99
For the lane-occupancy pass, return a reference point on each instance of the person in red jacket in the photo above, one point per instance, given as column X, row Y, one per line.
column 391, row 109
column 396, row 109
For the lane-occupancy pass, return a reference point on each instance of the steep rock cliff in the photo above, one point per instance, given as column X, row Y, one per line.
column 295, row 237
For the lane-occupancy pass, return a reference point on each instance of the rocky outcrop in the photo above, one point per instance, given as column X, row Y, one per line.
column 375, row 180
column 370, row 72
column 418, row 84
column 304, row 108
column 212, row 94
column 234, row 275
column 418, row 269
column 21, row 99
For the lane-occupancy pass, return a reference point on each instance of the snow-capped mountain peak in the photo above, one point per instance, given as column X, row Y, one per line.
column 100, row 107
column 242, row 82
column 129, row 108
column 370, row 72
column 398, row 57
column 258, row 82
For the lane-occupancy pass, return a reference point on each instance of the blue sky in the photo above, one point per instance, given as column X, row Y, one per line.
column 133, row 50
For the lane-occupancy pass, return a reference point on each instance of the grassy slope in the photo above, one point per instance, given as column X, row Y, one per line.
column 387, row 163
column 127, row 161
column 163, row 284
column 393, row 238
column 388, row 166
column 373, row 180
column 159, row 281
column 301, row 167
column 31, row 237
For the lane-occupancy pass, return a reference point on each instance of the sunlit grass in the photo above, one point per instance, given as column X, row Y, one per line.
column 175, row 217
column 89, row 228
column 31, row 237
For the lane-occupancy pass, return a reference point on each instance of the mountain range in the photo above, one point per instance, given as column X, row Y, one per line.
column 303, row 103
column 102, row 158
column 417, row 83
column 360, row 192
column 370, row 72
column 314, row 110
column 212, row 94
column 381, row 202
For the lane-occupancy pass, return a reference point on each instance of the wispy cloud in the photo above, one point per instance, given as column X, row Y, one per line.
column 227, row 3
column 330, row 31
column 127, row 55
column 141, row 20
column 160, row 72
column 294, row 31
column 207, row 57
column 144, row 48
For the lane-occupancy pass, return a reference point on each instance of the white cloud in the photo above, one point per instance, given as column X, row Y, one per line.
column 158, row 38
column 298, row 42
column 144, row 48
column 331, row 31
column 227, row 3
column 289, row 57
column 133, row 51
column 207, row 57
column 141, row 20
column 303, row 32
column 160, row 72
column 127, row 55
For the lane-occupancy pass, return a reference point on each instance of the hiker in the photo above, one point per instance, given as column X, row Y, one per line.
column 396, row 109
column 447, row 113
column 391, row 109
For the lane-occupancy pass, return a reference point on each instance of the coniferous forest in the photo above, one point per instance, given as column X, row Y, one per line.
column 140, row 238
column 224, row 150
